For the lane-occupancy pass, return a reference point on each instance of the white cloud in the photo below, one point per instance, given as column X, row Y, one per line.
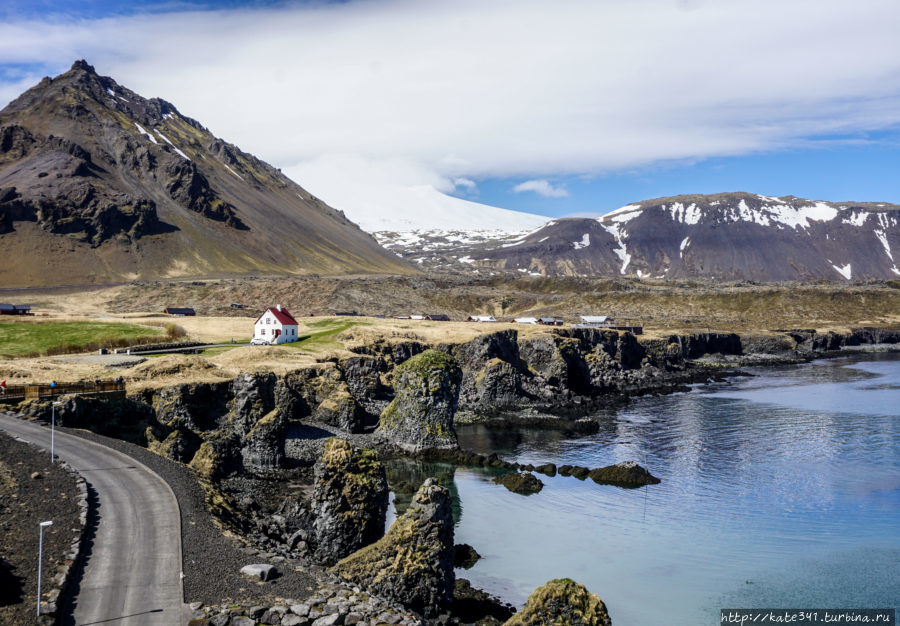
column 467, row 183
column 541, row 187
column 463, row 89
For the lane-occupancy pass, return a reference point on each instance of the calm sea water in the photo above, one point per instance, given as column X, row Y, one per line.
column 778, row 490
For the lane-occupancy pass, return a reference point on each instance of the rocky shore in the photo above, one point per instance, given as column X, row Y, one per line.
column 291, row 472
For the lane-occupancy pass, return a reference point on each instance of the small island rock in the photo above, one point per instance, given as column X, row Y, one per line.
column 562, row 602
column 524, row 483
column 625, row 474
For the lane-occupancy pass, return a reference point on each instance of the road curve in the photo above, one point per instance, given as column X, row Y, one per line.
column 133, row 570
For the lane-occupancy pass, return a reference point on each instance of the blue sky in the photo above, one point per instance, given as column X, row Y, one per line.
column 562, row 108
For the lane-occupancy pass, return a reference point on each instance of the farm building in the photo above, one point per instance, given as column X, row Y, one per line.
column 179, row 311
column 601, row 321
column 15, row 309
column 438, row 318
column 481, row 318
column 275, row 325
column 526, row 320
column 550, row 321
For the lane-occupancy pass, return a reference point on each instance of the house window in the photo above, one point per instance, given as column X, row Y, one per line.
column 262, row 331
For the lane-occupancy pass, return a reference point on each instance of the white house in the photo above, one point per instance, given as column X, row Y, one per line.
column 275, row 325
column 481, row 318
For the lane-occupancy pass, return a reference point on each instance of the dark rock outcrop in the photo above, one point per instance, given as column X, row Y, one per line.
column 413, row 563
column 350, row 501
column 524, row 483
column 625, row 474
column 562, row 602
column 426, row 395
column 465, row 556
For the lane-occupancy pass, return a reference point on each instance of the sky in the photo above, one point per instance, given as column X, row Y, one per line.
column 562, row 107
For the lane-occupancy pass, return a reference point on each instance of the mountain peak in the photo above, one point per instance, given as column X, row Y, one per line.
column 128, row 185
column 83, row 65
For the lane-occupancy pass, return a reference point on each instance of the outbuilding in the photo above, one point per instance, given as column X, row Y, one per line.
column 526, row 320
column 437, row 318
column 481, row 318
column 276, row 325
column 179, row 311
column 15, row 309
column 602, row 321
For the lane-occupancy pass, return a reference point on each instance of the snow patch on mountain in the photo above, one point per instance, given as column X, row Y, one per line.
column 846, row 271
column 684, row 244
column 584, row 243
column 615, row 229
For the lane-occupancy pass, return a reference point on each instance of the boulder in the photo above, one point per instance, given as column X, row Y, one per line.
column 465, row 556
column 524, row 483
column 625, row 474
column 562, row 602
column 259, row 571
column 426, row 395
column 413, row 563
column 349, row 503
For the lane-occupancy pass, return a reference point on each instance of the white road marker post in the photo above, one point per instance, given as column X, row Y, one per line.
column 40, row 551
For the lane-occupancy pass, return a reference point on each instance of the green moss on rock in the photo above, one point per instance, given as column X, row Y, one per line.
column 562, row 602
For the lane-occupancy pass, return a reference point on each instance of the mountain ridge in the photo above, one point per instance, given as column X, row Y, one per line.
column 98, row 184
column 726, row 236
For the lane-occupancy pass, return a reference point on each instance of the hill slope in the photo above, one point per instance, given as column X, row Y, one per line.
column 98, row 184
column 730, row 236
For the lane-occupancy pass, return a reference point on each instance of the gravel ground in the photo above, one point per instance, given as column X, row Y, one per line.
column 24, row 503
column 211, row 560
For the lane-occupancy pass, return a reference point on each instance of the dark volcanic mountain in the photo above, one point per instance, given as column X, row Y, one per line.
column 730, row 236
column 99, row 184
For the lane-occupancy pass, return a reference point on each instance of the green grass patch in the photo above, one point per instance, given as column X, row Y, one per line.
column 324, row 334
column 29, row 339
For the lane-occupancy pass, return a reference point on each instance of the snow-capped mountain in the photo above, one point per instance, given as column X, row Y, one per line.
column 730, row 236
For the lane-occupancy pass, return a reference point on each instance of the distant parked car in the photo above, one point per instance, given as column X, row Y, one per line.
column 258, row 342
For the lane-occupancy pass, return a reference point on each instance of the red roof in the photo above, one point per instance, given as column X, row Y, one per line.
column 282, row 316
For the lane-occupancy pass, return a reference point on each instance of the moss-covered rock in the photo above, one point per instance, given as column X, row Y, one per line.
column 524, row 483
column 625, row 474
column 562, row 602
column 426, row 395
column 350, row 500
column 413, row 563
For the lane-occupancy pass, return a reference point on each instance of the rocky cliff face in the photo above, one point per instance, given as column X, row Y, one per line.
column 413, row 563
column 426, row 394
column 349, row 503
column 89, row 170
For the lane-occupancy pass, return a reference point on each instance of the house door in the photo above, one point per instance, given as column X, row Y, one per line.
column 277, row 333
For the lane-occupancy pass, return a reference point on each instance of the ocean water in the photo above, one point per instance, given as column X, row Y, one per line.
column 781, row 489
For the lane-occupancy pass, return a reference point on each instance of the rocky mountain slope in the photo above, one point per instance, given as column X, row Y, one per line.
column 99, row 184
column 731, row 236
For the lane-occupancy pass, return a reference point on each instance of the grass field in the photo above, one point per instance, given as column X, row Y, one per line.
column 322, row 334
column 30, row 338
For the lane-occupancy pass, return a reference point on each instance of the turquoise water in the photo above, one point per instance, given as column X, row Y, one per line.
column 778, row 490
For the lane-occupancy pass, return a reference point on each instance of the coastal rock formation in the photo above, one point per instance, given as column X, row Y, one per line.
column 263, row 447
column 413, row 563
column 561, row 602
column 625, row 474
column 350, row 501
column 426, row 391
column 524, row 483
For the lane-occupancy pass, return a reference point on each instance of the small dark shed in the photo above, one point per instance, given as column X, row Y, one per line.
column 180, row 311
column 438, row 318
column 15, row 309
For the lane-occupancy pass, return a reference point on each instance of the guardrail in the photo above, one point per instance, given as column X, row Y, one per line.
column 17, row 393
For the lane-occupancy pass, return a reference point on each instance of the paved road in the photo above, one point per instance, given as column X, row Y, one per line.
column 133, row 572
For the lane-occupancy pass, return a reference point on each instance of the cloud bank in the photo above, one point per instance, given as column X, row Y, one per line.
column 466, row 89
column 541, row 187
